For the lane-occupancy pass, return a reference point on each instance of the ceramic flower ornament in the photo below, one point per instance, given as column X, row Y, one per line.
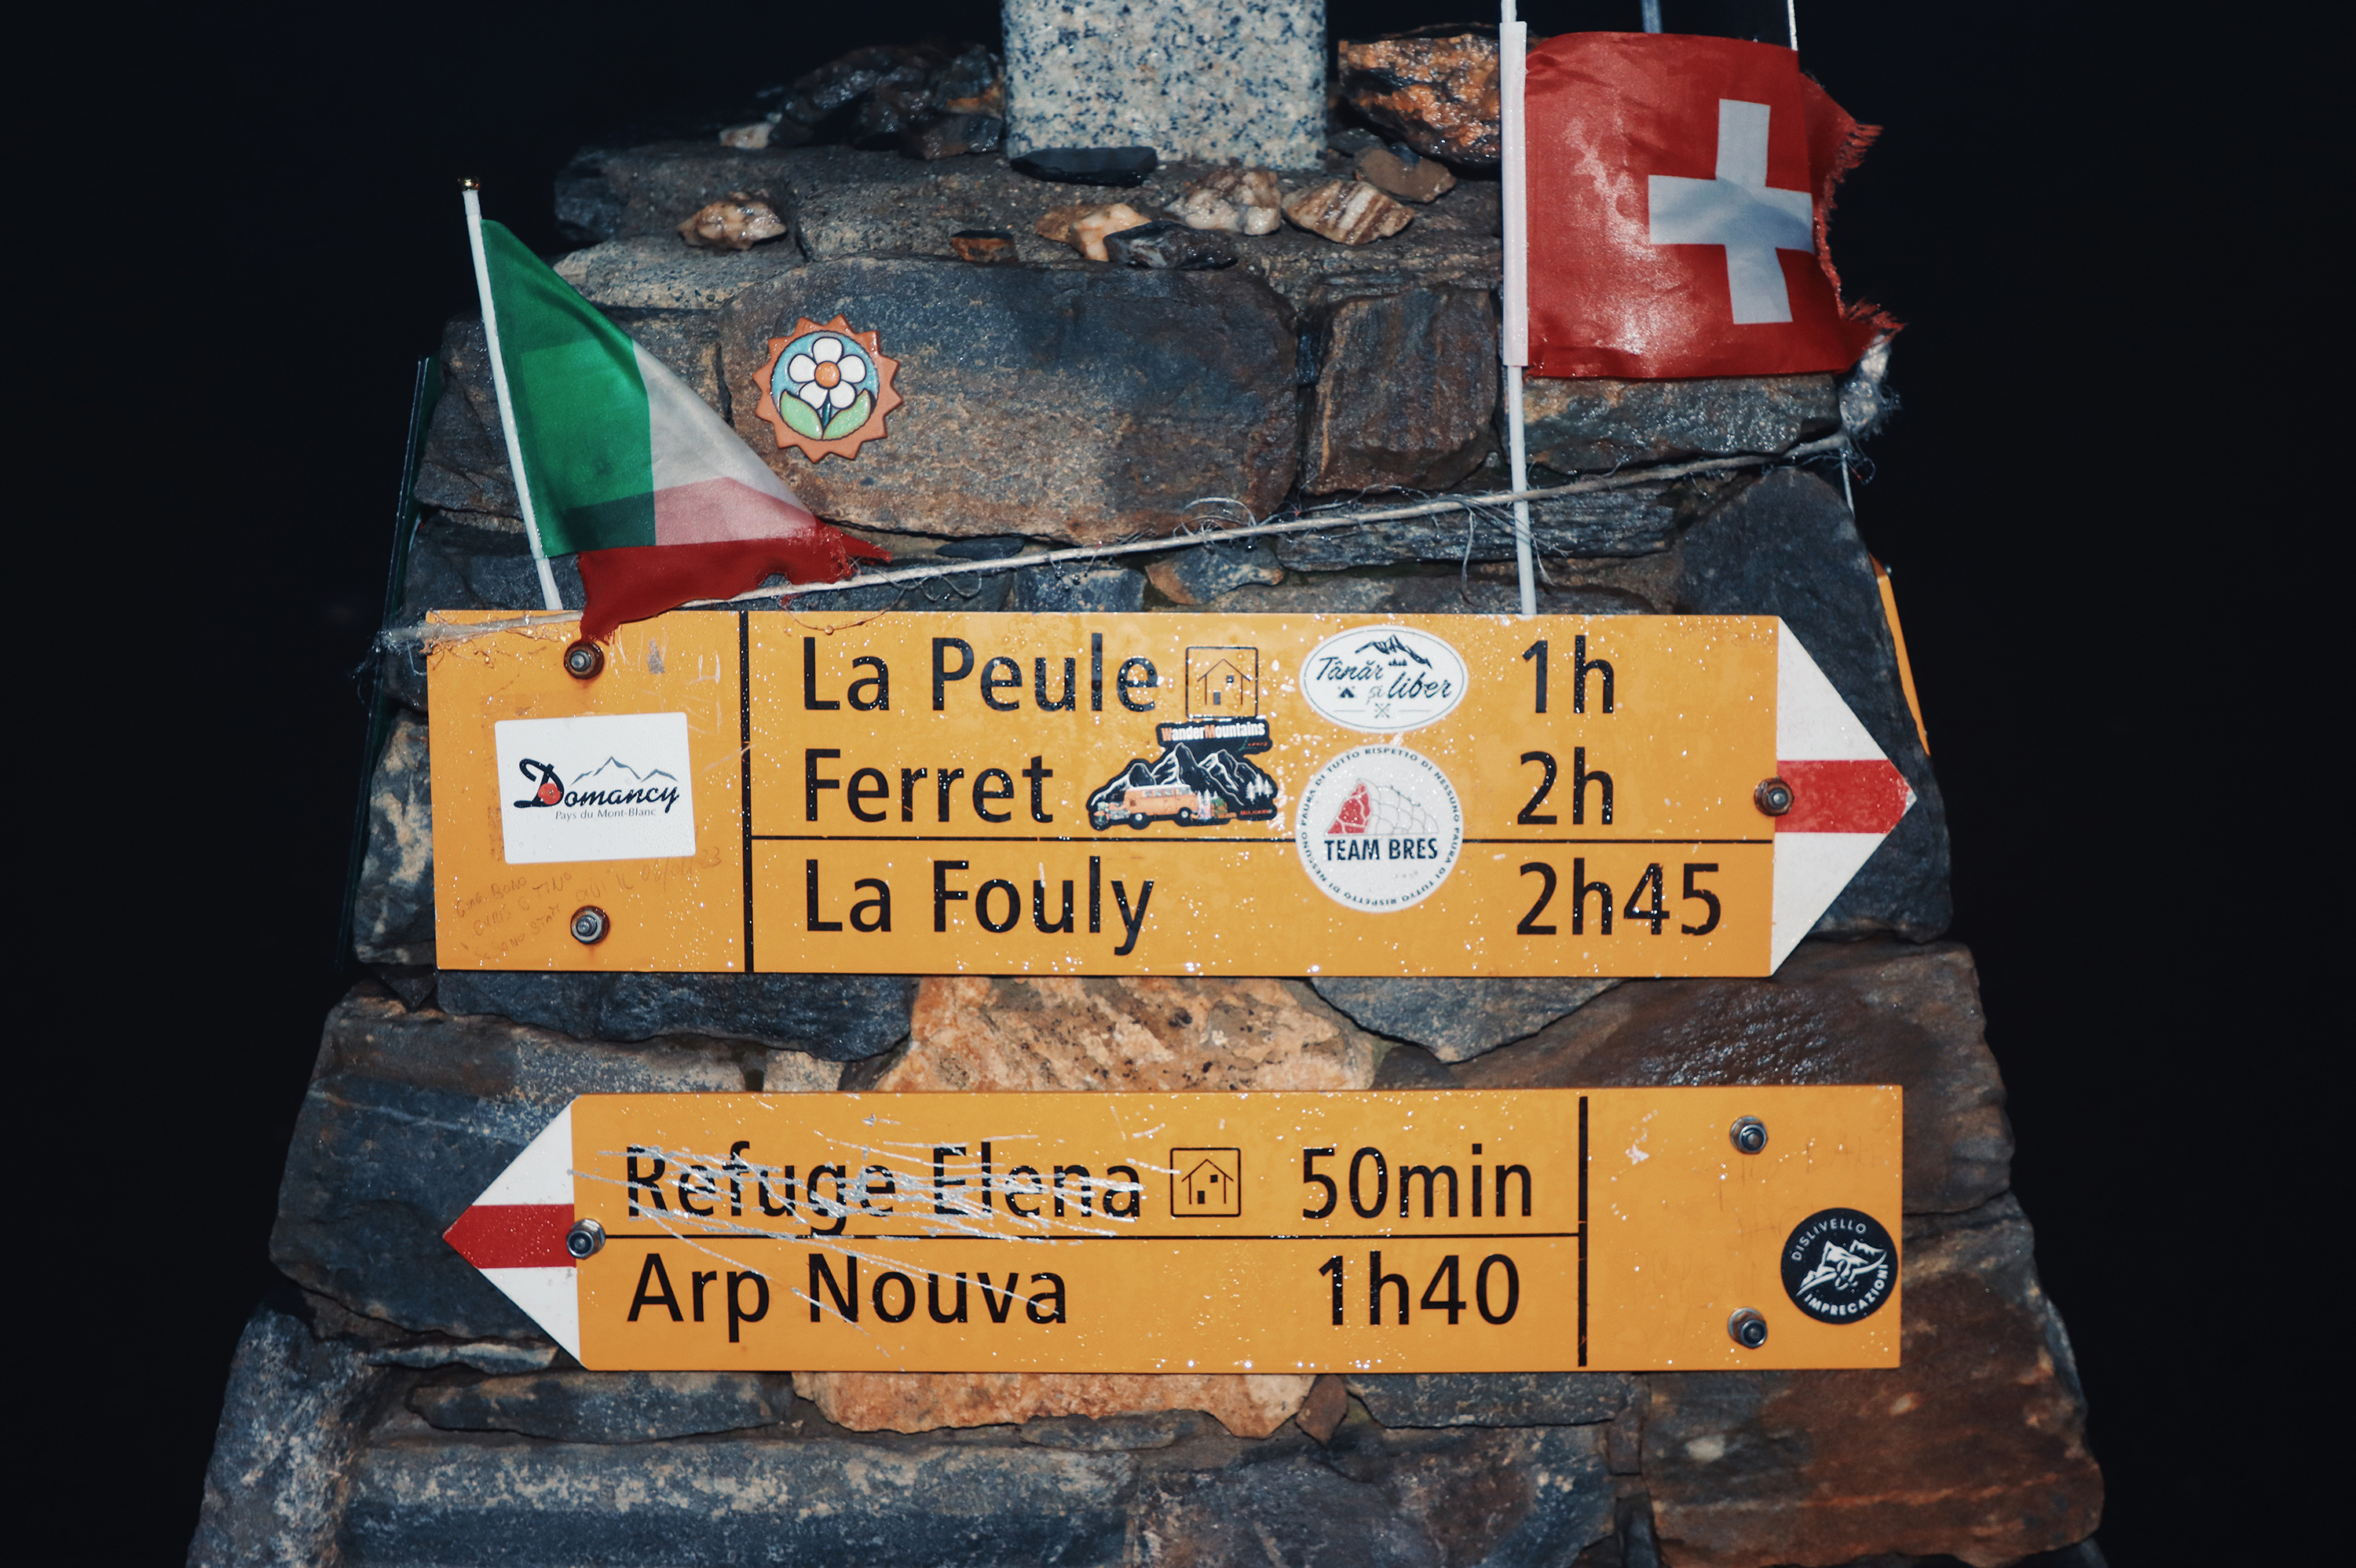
column 826, row 389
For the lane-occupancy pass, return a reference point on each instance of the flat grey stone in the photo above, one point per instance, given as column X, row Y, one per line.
column 1084, row 405
column 578, row 1406
column 1087, row 1434
column 1583, row 425
column 662, row 271
column 1493, row 1399
column 285, row 1445
column 1214, row 80
column 1066, row 589
column 845, row 203
column 409, row 1116
column 494, row 1356
column 1533, row 1498
column 393, row 917
column 463, row 467
column 1407, row 391
column 1118, row 168
column 1788, row 547
column 1457, row 1019
column 841, row 1017
column 450, row 1500
column 1289, row 1510
column 1639, row 521
column 1201, row 573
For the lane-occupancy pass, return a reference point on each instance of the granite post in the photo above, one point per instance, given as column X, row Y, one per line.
column 1197, row 80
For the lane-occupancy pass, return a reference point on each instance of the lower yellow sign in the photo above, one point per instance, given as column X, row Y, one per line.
column 1544, row 1230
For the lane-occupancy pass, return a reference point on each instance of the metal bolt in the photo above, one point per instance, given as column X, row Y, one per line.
column 584, row 1238
column 1749, row 1134
column 584, row 660
column 590, row 925
column 1774, row 795
column 1748, row 1328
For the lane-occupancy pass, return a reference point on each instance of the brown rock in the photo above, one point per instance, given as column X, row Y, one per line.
column 976, row 1033
column 1436, row 93
column 1410, row 178
column 1351, row 212
column 1083, row 227
column 1407, row 391
column 752, row 138
column 1249, row 1404
column 1328, row 1402
column 1974, row 1446
column 1868, row 1012
column 988, row 246
column 1236, row 201
column 738, row 221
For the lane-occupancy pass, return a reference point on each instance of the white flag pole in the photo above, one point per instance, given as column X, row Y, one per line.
column 1652, row 16
column 500, row 381
column 1513, row 45
column 1792, row 22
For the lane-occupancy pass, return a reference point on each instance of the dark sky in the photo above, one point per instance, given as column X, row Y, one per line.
column 256, row 225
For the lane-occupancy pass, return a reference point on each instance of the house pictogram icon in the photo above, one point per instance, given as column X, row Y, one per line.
column 1206, row 1182
column 1222, row 683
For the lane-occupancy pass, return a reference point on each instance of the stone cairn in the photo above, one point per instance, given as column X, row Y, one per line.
column 396, row 1408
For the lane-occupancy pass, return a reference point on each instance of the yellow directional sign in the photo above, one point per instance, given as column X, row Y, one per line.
column 1061, row 794
column 1456, row 1230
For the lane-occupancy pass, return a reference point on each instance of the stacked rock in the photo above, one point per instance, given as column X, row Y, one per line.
column 394, row 1407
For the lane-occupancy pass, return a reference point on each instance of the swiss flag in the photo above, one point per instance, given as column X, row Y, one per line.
column 1678, row 189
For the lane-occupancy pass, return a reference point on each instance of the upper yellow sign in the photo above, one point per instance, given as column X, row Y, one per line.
column 1071, row 794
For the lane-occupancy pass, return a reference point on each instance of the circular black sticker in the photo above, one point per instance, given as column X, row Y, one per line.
column 1839, row 1266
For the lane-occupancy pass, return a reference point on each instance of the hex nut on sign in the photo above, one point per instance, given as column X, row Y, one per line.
column 584, row 660
column 1747, row 1327
column 1749, row 1134
column 585, row 1238
column 590, row 925
column 1773, row 796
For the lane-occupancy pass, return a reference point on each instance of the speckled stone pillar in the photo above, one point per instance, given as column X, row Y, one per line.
column 1197, row 80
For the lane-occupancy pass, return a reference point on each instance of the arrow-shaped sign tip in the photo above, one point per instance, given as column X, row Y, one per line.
column 515, row 1233
column 1846, row 795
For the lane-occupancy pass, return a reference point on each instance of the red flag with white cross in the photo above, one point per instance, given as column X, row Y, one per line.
column 1677, row 193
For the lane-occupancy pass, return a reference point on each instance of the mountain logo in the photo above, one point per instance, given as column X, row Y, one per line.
column 611, row 783
column 1839, row 1266
column 1380, row 829
column 1383, row 679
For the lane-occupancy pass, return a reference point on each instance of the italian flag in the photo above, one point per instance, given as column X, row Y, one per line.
column 617, row 460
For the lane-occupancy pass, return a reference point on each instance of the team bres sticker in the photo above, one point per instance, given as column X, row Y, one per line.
column 1384, row 678
column 1379, row 828
column 606, row 787
column 1840, row 1265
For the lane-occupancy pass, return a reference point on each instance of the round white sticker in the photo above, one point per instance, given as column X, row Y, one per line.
column 1384, row 678
column 1380, row 828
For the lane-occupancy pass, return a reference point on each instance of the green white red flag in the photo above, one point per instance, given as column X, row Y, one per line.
column 618, row 461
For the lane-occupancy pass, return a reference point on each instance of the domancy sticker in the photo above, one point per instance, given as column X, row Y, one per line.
column 1380, row 828
column 610, row 787
column 1382, row 678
